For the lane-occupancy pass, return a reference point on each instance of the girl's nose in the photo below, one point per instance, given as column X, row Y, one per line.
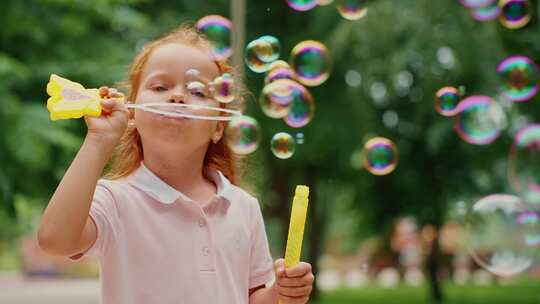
column 177, row 98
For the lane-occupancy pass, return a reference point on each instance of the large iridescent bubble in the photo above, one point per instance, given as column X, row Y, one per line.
column 282, row 145
column 519, row 76
column 218, row 30
column 447, row 100
column 486, row 13
column 352, row 9
column 380, row 156
column 476, row 3
column 515, row 13
column 311, row 62
column 501, row 233
column 243, row 135
column 480, row 120
column 524, row 164
column 302, row 5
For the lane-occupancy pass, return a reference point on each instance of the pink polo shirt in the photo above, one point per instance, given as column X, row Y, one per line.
column 156, row 245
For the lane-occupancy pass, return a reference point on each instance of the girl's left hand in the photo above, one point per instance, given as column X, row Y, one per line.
column 293, row 285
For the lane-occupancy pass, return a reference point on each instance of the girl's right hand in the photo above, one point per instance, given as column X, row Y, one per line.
column 112, row 123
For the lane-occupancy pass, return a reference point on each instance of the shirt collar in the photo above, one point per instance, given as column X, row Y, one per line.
column 144, row 179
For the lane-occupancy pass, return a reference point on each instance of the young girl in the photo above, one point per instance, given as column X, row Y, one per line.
column 168, row 224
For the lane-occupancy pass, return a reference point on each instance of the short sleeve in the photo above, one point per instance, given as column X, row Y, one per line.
column 261, row 263
column 104, row 213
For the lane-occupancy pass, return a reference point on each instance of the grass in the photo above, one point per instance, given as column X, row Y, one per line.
column 522, row 293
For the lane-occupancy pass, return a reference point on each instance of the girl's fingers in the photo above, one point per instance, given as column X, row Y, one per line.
column 299, row 270
column 295, row 291
column 296, row 282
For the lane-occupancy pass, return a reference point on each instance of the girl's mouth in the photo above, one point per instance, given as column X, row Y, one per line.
column 171, row 117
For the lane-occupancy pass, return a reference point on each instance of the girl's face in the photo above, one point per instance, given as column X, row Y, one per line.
column 178, row 73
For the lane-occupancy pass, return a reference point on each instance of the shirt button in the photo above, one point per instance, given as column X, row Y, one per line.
column 201, row 223
column 206, row 251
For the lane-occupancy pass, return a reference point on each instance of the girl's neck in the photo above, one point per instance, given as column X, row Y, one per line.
column 181, row 169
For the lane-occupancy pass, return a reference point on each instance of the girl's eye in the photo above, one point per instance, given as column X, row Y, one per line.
column 196, row 88
column 159, row 88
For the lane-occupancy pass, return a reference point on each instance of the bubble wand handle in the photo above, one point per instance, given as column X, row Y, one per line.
column 296, row 226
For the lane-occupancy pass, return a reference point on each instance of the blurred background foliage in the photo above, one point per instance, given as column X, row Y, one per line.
column 427, row 44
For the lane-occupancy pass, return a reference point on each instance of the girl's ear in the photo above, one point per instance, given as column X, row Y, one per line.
column 218, row 133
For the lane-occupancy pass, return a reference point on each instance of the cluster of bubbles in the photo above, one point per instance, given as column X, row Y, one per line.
column 380, row 156
column 285, row 95
column 480, row 119
column 502, row 234
column 348, row 9
column 512, row 14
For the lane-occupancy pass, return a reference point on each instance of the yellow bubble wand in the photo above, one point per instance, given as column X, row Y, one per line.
column 296, row 226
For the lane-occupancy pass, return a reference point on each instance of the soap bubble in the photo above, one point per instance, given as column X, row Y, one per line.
column 447, row 100
column 218, row 30
column 301, row 107
column 302, row 5
column 224, row 89
column 276, row 98
column 282, row 145
column 524, row 164
column 243, row 135
column 381, row 156
column 498, row 229
column 480, row 120
column 520, row 76
column 253, row 50
column 486, row 13
column 311, row 62
column 514, row 13
column 352, row 9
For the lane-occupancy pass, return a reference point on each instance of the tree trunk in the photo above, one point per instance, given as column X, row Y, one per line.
column 433, row 263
